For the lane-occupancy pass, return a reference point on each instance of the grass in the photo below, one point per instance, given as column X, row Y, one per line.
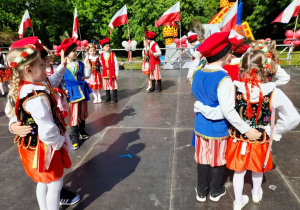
column 135, row 66
column 295, row 58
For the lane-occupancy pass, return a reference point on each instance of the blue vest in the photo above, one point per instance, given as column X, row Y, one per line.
column 204, row 87
column 78, row 90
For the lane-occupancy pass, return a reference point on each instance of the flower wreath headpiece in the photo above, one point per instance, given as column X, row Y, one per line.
column 90, row 46
column 29, row 50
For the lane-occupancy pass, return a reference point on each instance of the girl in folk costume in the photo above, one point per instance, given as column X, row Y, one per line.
column 275, row 71
column 44, row 151
column 110, row 71
column 95, row 81
column 78, row 91
column 146, row 59
column 213, row 87
column 256, row 101
column 154, row 62
column 59, row 91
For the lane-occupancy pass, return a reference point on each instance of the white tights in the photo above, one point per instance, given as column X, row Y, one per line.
column 48, row 194
column 238, row 185
column 97, row 94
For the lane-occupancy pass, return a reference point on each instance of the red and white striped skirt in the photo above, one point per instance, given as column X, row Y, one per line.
column 210, row 152
column 155, row 74
column 107, row 86
column 95, row 81
column 78, row 112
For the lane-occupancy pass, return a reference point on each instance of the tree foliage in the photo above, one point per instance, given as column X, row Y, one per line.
column 53, row 19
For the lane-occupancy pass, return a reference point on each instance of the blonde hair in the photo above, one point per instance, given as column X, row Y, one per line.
column 50, row 55
column 254, row 60
column 18, row 71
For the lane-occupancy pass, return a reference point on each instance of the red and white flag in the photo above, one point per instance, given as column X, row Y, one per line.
column 291, row 11
column 172, row 14
column 75, row 26
column 26, row 23
column 229, row 20
column 119, row 18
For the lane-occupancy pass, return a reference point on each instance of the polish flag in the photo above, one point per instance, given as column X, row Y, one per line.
column 26, row 23
column 229, row 20
column 119, row 18
column 291, row 11
column 172, row 14
column 75, row 26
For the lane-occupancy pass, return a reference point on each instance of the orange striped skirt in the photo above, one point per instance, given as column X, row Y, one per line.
column 77, row 112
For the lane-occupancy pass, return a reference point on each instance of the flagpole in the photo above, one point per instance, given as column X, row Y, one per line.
column 180, row 45
column 296, row 25
column 80, row 42
column 33, row 32
column 130, row 51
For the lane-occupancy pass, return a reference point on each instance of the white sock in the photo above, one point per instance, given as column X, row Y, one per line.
column 41, row 193
column 238, row 186
column 53, row 194
column 1, row 88
column 95, row 94
column 257, row 180
column 99, row 94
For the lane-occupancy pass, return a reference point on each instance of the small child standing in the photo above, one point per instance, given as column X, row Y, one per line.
column 43, row 151
column 95, row 81
column 110, row 71
column 78, row 91
column 256, row 100
column 146, row 58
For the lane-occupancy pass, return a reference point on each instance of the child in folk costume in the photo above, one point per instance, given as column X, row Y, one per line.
column 256, row 101
column 43, row 152
column 59, row 91
column 198, row 59
column 78, row 91
column 146, row 59
column 213, row 87
column 110, row 71
column 95, row 81
column 154, row 62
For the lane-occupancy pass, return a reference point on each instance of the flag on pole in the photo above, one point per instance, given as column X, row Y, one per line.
column 26, row 23
column 291, row 11
column 119, row 18
column 172, row 14
column 229, row 20
column 75, row 26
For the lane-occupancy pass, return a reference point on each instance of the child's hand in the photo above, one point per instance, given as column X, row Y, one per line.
column 19, row 129
column 63, row 59
column 82, row 78
column 87, row 63
column 67, row 93
column 253, row 134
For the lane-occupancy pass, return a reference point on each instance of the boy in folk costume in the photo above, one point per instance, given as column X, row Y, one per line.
column 110, row 71
column 213, row 87
column 154, row 62
column 78, row 91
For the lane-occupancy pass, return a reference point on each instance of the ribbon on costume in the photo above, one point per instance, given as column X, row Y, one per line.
column 271, row 137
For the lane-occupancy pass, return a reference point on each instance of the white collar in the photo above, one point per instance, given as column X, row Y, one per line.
column 28, row 88
column 266, row 88
column 208, row 66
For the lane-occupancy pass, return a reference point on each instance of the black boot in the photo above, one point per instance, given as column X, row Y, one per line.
column 82, row 134
column 107, row 98
column 74, row 136
column 159, row 88
column 152, row 89
column 115, row 97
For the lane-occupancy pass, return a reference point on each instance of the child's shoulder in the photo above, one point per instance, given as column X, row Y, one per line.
column 30, row 88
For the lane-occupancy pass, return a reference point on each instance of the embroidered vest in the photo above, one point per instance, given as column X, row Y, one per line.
column 108, row 65
column 153, row 60
column 30, row 141
column 95, row 65
column 263, row 119
column 205, row 85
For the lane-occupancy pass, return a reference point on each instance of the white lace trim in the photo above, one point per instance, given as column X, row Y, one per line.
column 28, row 88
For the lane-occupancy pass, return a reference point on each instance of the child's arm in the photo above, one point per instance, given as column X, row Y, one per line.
column 56, row 78
column 158, row 52
column 226, row 96
column 116, row 66
column 39, row 108
column 211, row 113
column 281, row 76
column 87, row 69
column 289, row 117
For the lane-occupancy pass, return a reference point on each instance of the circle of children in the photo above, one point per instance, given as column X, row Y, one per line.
column 235, row 107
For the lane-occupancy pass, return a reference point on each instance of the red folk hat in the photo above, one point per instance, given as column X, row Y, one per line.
column 215, row 46
column 193, row 38
column 34, row 40
column 150, row 35
column 67, row 45
column 238, row 47
column 104, row 42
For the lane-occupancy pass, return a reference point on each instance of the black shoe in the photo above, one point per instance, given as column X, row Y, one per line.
column 115, row 97
column 216, row 197
column 152, row 89
column 67, row 197
column 74, row 136
column 108, row 97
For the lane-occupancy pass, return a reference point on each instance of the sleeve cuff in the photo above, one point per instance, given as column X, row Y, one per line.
column 244, row 128
column 59, row 143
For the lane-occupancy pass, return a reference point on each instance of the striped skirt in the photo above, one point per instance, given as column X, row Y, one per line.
column 210, row 152
column 77, row 112
column 155, row 74
column 107, row 86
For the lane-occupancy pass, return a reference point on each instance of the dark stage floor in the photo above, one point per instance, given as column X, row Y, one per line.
column 156, row 130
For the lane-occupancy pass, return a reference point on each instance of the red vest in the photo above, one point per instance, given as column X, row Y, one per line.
column 108, row 66
column 233, row 71
column 153, row 60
